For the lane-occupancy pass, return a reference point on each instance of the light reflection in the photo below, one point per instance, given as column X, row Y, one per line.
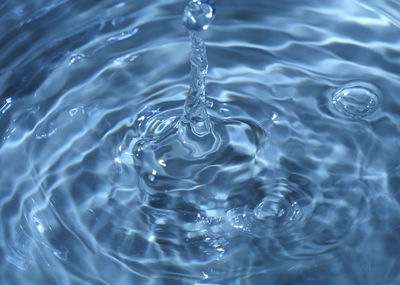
column 162, row 162
column 39, row 225
column 6, row 106
column 205, row 275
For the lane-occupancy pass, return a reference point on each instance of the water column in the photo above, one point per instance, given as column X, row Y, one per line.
column 198, row 15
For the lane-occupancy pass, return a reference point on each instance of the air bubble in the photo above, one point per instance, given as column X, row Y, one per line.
column 199, row 14
column 356, row 99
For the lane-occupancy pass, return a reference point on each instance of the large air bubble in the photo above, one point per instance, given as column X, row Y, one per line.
column 356, row 100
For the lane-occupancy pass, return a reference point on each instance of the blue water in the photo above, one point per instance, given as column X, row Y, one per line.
column 103, row 181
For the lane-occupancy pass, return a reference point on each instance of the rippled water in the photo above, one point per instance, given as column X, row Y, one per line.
column 298, row 182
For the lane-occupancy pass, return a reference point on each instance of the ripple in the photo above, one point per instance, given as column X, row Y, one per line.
column 356, row 100
column 282, row 203
column 290, row 223
column 99, row 175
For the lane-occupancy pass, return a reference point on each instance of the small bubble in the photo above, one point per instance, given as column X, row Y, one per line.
column 199, row 14
column 356, row 99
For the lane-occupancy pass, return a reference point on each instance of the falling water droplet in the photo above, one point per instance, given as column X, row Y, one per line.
column 356, row 99
column 199, row 14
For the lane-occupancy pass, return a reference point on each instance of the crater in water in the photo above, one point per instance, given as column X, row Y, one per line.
column 168, row 156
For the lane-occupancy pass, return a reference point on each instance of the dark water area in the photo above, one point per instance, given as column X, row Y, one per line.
column 297, row 183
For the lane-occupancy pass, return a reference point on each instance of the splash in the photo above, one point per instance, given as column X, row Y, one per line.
column 198, row 15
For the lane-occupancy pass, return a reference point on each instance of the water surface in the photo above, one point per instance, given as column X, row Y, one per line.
column 298, row 183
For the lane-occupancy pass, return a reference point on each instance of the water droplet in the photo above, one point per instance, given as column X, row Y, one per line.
column 199, row 14
column 356, row 99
